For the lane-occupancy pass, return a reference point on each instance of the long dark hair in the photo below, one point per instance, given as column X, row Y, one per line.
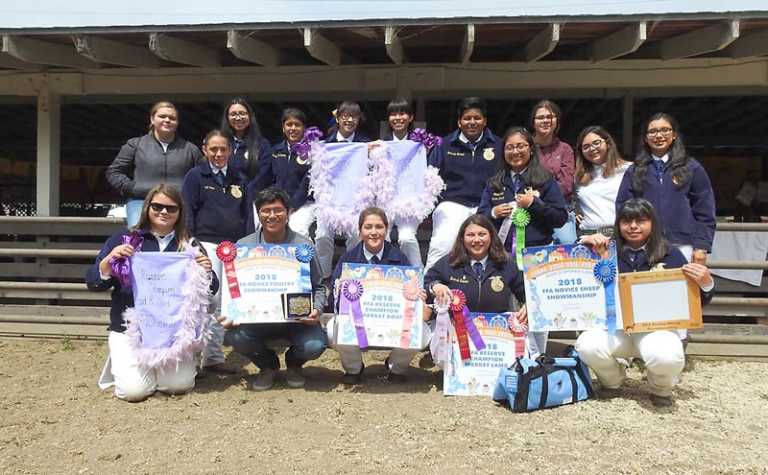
column 458, row 256
column 639, row 208
column 678, row 157
column 534, row 175
column 180, row 228
column 584, row 167
column 253, row 137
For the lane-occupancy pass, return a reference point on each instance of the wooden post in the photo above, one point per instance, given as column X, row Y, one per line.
column 628, row 126
column 48, row 151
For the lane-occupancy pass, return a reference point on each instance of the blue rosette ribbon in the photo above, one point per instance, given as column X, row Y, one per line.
column 351, row 291
column 605, row 273
column 305, row 253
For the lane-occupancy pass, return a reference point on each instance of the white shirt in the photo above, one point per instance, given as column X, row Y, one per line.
column 368, row 255
column 396, row 139
column 463, row 138
column 216, row 170
column 341, row 138
column 664, row 159
column 482, row 261
column 598, row 199
column 164, row 145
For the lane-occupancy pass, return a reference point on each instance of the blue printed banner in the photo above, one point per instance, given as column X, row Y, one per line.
column 158, row 278
column 265, row 273
column 563, row 290
column 391, row 310
column 477, row 375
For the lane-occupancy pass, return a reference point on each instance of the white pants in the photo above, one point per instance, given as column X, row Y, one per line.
column 446, row 221
column 352, row 356
column 135, row 383
column 406, row 237
column 212, row 353
column 661, row 351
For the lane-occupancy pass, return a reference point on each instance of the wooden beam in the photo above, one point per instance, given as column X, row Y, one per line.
column 468, row 45
column 48, row 152
column 252, row 50
column 543, row 43
column 755, row 44
column 701, row 41
column 394, row 45
column 320, row 48
column 44, row 52
column 625, row 41
column 183, row 51
column 10, row 62
column 103, row 50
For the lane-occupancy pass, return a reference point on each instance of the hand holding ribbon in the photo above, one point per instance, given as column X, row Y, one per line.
column 120, row 262
column 464, row 325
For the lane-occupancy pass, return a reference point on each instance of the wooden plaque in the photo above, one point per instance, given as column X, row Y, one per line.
column 659, row 300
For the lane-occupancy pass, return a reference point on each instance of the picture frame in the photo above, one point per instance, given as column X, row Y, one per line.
column 659, row 300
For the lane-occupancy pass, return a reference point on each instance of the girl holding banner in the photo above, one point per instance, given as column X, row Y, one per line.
column 479, row 267
column 158, row 353
column 465, row 159
column 641, row 246
column 599, row 171
column 373, row 249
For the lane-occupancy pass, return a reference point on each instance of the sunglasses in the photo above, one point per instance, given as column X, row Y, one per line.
column 159, row 207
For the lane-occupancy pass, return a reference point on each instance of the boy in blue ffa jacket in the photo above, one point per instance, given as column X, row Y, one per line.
column 522, row 182
column 214, row 194
column 465, row 160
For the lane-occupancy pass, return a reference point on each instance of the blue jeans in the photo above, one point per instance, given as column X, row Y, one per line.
column 567, row 233
column 133, row 212
column 307, row 343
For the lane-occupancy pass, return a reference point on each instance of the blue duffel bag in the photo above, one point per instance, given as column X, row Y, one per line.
column 529, row 385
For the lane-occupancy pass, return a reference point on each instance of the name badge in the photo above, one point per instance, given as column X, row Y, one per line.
column 451, row 153
column 462, row 280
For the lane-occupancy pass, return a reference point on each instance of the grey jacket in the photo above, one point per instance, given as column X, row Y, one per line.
column 142, row 164
column 319, row 293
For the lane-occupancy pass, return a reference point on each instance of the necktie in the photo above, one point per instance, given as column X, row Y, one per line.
column 517, row 183
column 635, row 254
column 658, row 165
column 219, row 177
column 478, row 268
column 375, row 260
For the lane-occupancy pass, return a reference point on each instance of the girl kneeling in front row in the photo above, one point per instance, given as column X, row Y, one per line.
column 641, row 247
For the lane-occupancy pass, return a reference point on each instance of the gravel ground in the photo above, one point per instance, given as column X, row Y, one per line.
column 55, row 420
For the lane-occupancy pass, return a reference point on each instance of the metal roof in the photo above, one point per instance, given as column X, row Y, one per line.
column 85, row 14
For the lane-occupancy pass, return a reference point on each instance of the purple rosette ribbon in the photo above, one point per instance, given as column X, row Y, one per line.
column 303, row 146
column 472, row 331
column 351, row 291
column 425, row 138
column 121, row 266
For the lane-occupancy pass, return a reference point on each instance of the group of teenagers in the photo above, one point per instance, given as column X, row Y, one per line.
column 659, row 210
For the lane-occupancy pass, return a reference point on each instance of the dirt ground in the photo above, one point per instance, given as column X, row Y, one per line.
column 53, row 419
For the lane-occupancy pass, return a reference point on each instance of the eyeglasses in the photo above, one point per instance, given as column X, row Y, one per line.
column 159, row 208
column 348, row 117
column 235, row 115
column 593, row 144
column 662, row 131
column 516, row 147
column 545, row 117
column 272, row 212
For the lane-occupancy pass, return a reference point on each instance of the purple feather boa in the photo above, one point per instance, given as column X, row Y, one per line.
column 425, row 138
column 193, row 331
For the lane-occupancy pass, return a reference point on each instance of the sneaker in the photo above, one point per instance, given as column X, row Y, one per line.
column 392, row 377
column 264, row 380
column 661, row 401
column 294, row 377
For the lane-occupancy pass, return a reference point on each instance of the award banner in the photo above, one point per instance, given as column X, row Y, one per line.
column 379, row 306
column 158, row 278
column 267, row 283
column 570, row 287
column 477, row 375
